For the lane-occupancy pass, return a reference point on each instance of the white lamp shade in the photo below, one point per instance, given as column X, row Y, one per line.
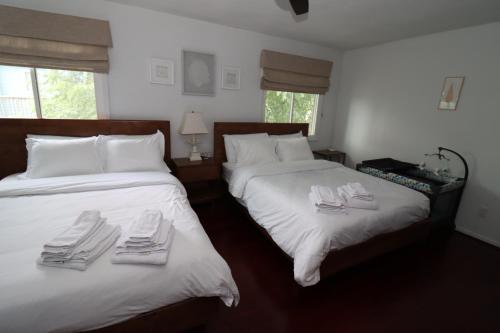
column 193, row 124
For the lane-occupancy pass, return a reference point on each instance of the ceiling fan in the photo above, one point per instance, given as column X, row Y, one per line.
column 300, row 6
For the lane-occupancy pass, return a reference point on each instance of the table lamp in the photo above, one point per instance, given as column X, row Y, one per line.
column 192, row 125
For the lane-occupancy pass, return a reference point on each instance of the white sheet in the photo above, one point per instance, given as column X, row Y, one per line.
column 42, row 299
column 276, row 196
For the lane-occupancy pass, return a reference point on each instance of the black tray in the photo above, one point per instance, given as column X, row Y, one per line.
column 388, row 165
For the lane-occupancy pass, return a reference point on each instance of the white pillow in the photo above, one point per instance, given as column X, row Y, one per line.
column 294, row 149
column 250, row 152
column 45, row 137
column 54, row 158
column 128, row 155
column 229, row 145
column 156, row 136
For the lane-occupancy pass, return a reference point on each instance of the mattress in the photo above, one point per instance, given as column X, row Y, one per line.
column 42, row 299
column 276, row 196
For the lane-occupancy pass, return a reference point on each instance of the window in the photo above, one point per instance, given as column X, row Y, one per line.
column 27, row 92
column 289, row 107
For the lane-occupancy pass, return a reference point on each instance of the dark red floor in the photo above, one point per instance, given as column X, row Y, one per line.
column 447, row 285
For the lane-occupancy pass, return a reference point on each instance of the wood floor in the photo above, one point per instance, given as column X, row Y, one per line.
column 449, row 284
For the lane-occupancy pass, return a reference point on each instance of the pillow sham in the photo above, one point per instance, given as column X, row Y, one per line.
column 250, row 152
column 55, row 158
column 294, row 149
column 128, row 155
column 156, row 136
column 229, row 143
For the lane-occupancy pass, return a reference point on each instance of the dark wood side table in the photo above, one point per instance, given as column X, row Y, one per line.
column 330, row 155
column 200, row 178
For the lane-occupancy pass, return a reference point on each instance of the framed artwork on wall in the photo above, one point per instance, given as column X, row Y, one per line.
column 450, row 94
column 198, row 73
column 230, row 78
column 161, row 71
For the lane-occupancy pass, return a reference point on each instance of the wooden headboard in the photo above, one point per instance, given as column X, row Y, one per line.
column 247, row 128
column 13, row 133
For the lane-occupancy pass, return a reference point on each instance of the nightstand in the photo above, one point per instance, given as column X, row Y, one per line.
column 200, row 178
column 330, row 155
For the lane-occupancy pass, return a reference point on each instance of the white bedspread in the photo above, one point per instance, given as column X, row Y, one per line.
column 276, row 196
column 45, row 299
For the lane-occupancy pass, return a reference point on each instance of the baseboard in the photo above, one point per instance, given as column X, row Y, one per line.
column 475, row 235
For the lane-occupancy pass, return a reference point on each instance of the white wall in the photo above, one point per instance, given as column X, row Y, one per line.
column 387, row 107
column 139, row 34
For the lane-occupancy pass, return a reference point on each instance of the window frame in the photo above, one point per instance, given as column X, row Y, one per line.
column 319, row 113
column 101, row 93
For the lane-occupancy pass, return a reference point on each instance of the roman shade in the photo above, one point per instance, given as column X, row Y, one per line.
column 287, row 72
column 40, row 39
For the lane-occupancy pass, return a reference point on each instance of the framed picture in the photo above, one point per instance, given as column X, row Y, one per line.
column 230, row 78
column 198, row 73
column 452, row 88
column 161, row 71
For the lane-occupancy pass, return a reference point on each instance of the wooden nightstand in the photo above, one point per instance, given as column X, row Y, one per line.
column 200, row 178
column 330, row 155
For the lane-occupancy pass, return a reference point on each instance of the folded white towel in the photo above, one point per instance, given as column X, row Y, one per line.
column 145, row 228
column 326, row 209
column 89, row 252
column 356, row 190
column 355, row 202
column 148, row 247
column 85, row 224
column 324, row 196
column 156, row 256
column 87, row 244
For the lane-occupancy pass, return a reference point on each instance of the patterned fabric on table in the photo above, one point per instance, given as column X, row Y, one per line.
column 398, row 179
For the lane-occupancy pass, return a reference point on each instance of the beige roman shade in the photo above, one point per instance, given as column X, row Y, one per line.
column 287, row 72
column 40, row 39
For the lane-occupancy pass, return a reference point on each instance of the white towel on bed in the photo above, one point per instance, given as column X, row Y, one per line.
column 324, row 196
column 158, row 256
column 85, row 224
column 153, row 251
column 355, row 202
column 86, row 253
column 145, row 228
column 357, row 191
column 325, row 200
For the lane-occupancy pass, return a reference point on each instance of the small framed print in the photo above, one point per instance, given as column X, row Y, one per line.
column 450, row 94
column 161, row 71
column 230, row 78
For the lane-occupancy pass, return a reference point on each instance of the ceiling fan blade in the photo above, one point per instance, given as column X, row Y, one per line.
column 300, row 6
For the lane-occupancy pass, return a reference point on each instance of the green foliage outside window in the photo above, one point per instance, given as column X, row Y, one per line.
column 66, row 94
column 288, row 107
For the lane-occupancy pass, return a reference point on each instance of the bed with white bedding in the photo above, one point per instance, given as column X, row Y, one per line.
column 119, row 168
column 276, row 195
column 44, row 299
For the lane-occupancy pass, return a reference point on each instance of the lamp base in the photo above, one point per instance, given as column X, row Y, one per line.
column 195, row 156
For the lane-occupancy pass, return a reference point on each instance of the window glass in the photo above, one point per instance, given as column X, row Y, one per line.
column 66, row 94
column 16, row 93
column 27, row 92
column 288, row 107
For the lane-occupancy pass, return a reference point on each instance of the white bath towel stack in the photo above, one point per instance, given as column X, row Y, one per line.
column 325, row 200
column 82, row 243
column 147, row 241
column 356, row 196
